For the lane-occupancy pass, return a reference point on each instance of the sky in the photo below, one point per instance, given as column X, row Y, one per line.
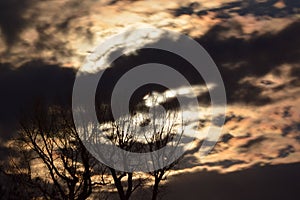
column 255, row 45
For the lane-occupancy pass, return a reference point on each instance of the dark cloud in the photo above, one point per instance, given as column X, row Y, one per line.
column 22, row 87
column 264, row 8
column 125, row 63
column 11, row 18
column 19, row 87
column 238, row 58
column 268, row 183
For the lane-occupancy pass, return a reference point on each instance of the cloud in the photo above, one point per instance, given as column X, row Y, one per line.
column 238, row 58
column 21, row 88
column 11, row 18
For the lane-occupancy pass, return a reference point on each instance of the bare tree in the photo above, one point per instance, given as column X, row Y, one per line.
column 162, row 129
column 165, row 128
column 51, row 137
column 122, row 134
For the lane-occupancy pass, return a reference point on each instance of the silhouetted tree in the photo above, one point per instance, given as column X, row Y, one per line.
column 165, row 128
column 122, row 134
column 162, row 128
column 51, row 137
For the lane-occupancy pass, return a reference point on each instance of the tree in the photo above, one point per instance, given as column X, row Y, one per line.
column 122, row 134
column 164, row 130
column 50, row 137
column 163, row 127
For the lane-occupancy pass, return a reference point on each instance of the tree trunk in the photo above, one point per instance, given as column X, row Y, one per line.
column 129, row 188
column 72, row 190
column 118, row 184
column 155, row 189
